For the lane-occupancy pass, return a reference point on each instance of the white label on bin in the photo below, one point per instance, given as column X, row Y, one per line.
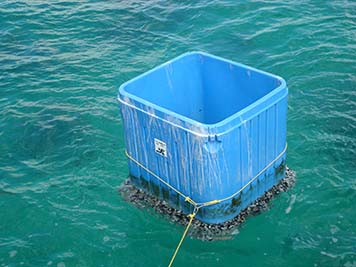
column 160, row 147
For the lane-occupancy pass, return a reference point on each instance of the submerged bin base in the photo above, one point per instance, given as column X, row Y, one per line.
column 202, row 230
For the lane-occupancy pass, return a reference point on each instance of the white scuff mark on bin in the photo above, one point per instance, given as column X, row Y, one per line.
column 248, row 148
column 169, row 71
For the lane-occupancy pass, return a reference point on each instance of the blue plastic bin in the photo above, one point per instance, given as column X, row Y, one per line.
column 209, row 127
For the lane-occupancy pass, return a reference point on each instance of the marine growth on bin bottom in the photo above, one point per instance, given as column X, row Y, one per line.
column 200, row 229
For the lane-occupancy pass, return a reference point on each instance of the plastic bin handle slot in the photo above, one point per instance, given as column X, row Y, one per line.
column 213, row 145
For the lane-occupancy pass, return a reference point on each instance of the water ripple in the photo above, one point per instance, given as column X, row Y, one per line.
column 62, row 143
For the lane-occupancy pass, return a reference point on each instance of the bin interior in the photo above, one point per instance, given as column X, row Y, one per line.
column 202, row 87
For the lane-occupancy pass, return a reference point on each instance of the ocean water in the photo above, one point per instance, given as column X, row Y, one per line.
column 61, row 137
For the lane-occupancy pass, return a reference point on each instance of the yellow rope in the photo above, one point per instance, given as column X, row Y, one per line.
column 188, row 199
column 191, row 217
column 196, row 205
column 212, row 202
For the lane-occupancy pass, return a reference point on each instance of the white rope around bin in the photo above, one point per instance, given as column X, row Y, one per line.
column 182, row 127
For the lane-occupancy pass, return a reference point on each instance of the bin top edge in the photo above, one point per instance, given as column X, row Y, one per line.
column 190, row 53
column 124, row 94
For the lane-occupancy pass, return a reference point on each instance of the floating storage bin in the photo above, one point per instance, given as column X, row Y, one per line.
column 208, row 127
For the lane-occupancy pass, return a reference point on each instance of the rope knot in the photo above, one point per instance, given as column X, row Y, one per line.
column 191, row 201
column 192, row 215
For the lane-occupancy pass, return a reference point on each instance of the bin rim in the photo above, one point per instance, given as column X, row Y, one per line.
column 207, row 126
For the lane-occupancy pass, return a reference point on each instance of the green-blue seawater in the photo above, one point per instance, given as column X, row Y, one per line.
column 61, row 136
